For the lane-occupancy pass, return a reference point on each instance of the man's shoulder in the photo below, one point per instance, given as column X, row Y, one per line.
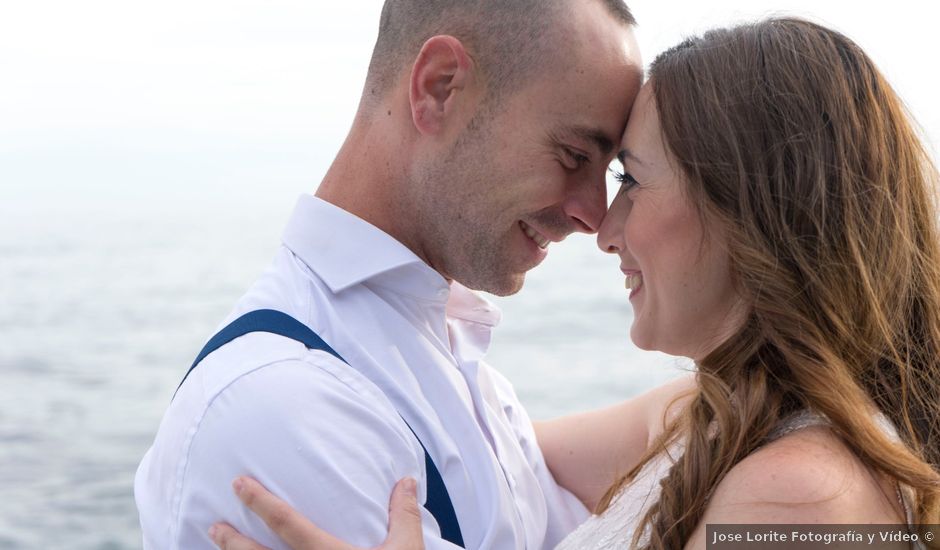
column 293, row 423
column 302, row 413
column 264, row 373
column 312, row 400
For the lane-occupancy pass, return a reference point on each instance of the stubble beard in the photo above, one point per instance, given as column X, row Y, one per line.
column 485, row 267
column 467, row 245
column 463, row 238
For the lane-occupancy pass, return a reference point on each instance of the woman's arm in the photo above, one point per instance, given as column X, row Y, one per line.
column 587, row 452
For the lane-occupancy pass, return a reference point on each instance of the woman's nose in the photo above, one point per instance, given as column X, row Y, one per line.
column 610, row 234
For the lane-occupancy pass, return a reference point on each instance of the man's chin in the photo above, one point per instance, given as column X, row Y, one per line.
column 499, row 277
column 504, row 286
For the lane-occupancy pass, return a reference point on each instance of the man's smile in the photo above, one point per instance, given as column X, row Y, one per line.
column 539, row 239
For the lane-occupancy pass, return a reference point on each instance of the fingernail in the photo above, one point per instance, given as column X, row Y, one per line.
column 410, row 486
column 238, row 485
column 213, row 531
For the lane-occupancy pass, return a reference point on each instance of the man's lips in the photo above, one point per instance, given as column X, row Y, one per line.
column 539, row 239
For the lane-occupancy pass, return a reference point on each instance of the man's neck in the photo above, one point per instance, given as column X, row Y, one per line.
column 368, row 179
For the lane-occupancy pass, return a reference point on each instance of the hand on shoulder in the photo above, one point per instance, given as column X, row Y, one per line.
column 299, row 533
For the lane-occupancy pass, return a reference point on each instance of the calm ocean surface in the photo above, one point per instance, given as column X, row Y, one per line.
column 106, row 302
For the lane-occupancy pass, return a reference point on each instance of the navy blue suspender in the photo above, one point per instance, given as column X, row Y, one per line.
column 268, row 320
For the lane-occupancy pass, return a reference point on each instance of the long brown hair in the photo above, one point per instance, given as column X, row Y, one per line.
column 791, row 139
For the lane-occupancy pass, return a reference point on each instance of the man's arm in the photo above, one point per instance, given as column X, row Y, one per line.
column 331, row 450
column 404, row 522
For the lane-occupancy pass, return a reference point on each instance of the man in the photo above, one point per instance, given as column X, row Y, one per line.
column 483, row 134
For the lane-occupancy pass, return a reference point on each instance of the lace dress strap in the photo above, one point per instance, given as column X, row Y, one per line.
column 797, row 421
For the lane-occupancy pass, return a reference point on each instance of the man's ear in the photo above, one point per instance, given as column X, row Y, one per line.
column 442, row 70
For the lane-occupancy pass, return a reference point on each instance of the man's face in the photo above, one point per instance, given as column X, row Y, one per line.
column 533, row 170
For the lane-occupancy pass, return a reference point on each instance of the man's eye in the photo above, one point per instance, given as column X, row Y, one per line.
column 575, row 159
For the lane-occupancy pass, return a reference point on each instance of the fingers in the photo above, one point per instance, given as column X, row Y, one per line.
column 404, row 521
column 297, row 531
column 227, row 538
column 404, row 518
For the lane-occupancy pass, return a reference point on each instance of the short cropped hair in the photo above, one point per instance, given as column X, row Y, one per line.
column 509, row 38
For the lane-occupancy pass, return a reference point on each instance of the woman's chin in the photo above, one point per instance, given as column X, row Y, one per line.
column 641, row 340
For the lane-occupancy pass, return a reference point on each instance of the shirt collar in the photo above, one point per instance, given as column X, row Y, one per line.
column 469, row 305
column 345, row 250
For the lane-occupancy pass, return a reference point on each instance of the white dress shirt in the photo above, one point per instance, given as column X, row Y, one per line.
column 329, row 437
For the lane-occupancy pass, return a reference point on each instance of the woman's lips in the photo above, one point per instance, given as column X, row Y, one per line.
column 633, row 281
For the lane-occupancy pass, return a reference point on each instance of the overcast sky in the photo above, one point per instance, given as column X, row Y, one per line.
column 266, row 89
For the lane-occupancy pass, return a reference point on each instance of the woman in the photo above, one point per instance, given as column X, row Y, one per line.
column 776, row 224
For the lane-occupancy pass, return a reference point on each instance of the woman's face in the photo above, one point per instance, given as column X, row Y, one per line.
column 680, row 282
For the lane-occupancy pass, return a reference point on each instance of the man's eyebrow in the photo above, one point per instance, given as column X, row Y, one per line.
column 601, row 140
column 625, row 154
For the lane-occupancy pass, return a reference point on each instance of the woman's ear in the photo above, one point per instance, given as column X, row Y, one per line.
column 441, row 77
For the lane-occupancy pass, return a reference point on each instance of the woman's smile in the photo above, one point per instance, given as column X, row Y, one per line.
column 634, row 280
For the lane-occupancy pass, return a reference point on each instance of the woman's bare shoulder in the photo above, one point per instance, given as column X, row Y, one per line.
column 808, row 476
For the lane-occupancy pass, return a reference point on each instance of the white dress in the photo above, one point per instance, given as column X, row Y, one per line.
column 615, row 527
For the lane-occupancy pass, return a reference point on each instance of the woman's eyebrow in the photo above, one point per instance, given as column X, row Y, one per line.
column 625, row 154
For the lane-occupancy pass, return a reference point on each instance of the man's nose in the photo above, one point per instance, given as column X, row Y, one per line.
column 586, row 204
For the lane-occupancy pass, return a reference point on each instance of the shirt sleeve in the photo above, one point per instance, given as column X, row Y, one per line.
column 329, row 449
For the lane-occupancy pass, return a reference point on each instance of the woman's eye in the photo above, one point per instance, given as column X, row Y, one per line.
column 627, row 182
